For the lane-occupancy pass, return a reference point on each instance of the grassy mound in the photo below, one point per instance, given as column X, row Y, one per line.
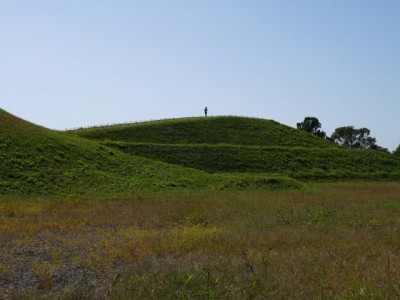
column 237, row 144
column 211, row 130
column 299, row 162
column 36, row 160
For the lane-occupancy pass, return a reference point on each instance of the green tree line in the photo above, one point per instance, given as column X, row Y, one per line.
column 347, row 136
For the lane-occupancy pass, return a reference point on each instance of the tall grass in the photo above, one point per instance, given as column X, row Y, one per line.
column 334, row 240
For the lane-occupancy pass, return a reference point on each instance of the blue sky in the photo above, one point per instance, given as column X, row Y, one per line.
column 73, row 63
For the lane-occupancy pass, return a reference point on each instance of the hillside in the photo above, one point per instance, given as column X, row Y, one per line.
column 210, row 130
column 242, row 152
column 237, row 144
column 36, row 160
column 298, row 162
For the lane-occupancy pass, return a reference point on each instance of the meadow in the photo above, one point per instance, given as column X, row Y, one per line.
column 328, row 241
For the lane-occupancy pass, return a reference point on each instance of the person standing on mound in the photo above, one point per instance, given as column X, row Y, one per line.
column 205, row 111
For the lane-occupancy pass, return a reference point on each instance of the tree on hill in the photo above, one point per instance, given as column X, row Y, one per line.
column 397, row 151
column 351, row 137
column 379, row 148
column 311, row 125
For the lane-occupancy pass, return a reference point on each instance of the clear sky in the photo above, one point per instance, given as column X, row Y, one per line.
column 70, row 63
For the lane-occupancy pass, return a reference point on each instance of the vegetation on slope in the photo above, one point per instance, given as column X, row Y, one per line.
column 315, row 163
column 210, row 130
column 36, row 160
column 237, row 144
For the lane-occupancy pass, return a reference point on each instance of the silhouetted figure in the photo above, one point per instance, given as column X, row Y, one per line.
column 205, row 111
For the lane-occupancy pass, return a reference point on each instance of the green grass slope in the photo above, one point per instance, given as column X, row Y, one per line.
column 210, row 130
column 299, row 162
column 36, row 160
column 237, row 144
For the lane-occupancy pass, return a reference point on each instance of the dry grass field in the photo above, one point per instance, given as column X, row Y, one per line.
column 333, row 240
